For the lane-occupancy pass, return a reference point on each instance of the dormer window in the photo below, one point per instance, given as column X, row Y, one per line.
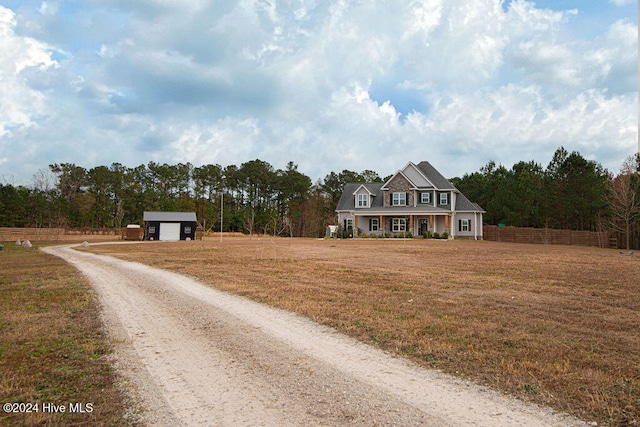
column 362, row 201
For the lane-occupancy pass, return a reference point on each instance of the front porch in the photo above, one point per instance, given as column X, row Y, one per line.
column 396, row 224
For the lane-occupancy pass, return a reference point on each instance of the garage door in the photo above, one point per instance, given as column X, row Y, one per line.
column 169, row 231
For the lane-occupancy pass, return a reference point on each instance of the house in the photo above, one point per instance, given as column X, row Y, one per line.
column 415, row 199
column 170, row 225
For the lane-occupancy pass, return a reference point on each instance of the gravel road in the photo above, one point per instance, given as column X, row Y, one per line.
column 197, row 356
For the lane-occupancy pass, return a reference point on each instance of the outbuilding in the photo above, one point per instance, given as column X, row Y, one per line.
column 170, row 226
column 133, row 232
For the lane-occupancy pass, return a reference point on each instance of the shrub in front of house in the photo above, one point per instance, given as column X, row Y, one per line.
column 445, row 235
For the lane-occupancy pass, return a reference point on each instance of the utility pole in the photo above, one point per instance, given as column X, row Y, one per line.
column 221, row 213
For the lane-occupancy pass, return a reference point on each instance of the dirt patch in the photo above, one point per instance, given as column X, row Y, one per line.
column 556, row 325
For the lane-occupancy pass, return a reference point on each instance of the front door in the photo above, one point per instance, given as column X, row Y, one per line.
column 424, row 226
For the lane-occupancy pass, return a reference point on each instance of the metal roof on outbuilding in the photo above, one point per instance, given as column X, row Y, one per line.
column 170, row 216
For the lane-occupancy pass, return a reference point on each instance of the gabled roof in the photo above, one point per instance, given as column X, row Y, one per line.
column 366, row 189
column 463, row 204
column 413, row 186
column 423, row 171
column 347, row 200
column 435, row 177
column 417, row 176
column 170, row 216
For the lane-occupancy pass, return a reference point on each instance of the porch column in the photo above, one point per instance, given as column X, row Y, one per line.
column 453, row 224
column 355, row 225
column 381, row 225
column 475, row 226
column 411, row 225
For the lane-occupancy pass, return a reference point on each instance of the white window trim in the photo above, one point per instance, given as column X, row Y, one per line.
column 444, row 196
column 399, row 225
column 362, row 202
column 425, row 198
column 464, row 225
column 398, row 199
column 375, row 224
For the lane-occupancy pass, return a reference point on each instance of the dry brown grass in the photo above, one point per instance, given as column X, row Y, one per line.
column 557, row 325
column 52, row 346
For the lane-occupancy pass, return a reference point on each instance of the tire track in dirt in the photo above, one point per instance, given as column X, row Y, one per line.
column 198, row 356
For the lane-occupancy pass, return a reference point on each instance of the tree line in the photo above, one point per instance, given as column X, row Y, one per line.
column 251, row 198
column 571, row 193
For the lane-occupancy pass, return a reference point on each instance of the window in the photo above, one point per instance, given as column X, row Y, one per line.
column 152, row 229
column 187, row 229
column 363, row 201
column 399, row 199
column 349, row 223
column 425, row 198
column 464, row 225
column 399, row 224
column 374, row 224
column 444, row 198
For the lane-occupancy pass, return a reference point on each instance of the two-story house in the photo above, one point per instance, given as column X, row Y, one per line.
column 417, row 198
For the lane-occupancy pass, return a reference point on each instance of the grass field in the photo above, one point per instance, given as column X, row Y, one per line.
column 53, row 351
column 557, row 325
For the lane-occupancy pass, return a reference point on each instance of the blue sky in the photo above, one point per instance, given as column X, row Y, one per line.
column 329, row 85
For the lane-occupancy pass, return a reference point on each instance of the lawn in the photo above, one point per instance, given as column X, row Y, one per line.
column 54, row 353
column 557, row 325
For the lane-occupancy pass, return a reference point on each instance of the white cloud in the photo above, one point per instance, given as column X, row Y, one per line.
column 525, row 19
column 514, row 123
column 19, row 103
column 228, row 141
column 608, row 62
column 47, row 8
column 422, row 18
column 329, row 85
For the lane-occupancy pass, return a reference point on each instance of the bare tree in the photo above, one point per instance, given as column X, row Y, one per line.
column 623, row 199
column 44, row 180
column 42, row 206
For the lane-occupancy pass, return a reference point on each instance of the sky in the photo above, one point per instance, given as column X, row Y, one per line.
column 329, row 85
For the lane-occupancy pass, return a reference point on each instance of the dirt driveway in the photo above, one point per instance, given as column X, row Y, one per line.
column 198, row 356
